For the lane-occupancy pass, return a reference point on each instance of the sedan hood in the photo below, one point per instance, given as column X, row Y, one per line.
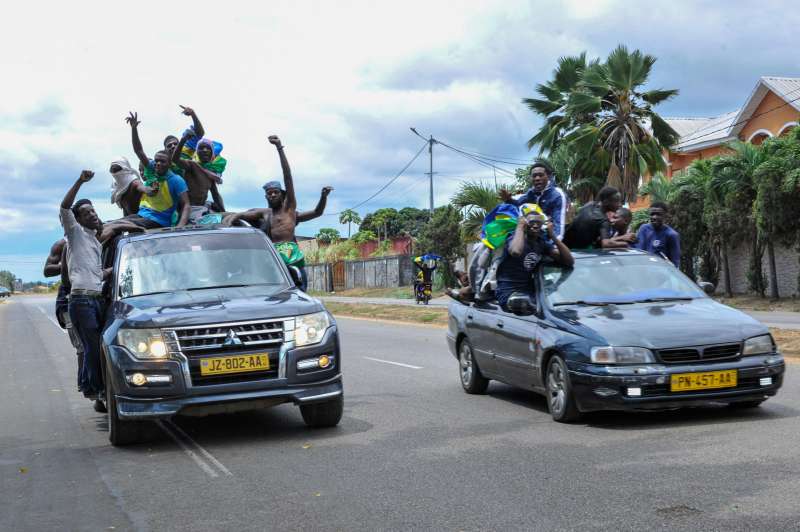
column 662, row 325
column 215, row 305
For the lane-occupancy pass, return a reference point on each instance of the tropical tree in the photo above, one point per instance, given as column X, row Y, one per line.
column 441, row 236
column 328, row 235
column 7, row 279
column 732, row 192
column 349, row 216
column 658, row 188
column 607, row 119
column 777, row 197
column 477, row 199
column 687, row 196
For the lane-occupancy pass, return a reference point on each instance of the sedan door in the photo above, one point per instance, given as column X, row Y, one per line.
column 480, row 333
column 516, row 349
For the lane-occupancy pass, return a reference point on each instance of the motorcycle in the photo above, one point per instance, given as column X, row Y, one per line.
column 423, row 283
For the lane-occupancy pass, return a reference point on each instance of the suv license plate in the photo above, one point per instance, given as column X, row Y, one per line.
column 234, row 364
column 682, row 382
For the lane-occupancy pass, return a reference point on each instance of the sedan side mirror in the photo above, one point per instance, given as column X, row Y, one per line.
column 294, row 271
column 520, row 304
column 707, row 287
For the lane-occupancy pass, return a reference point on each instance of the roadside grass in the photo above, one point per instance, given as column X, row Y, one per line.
column 424, row 315
column 758, row 303
column 401, row 292
column 788, row 341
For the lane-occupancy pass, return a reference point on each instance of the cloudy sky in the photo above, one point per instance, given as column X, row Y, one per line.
column 340, row 82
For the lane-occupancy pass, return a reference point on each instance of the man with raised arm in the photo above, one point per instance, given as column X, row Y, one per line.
column 279, row 220
column 171, row 141
column 82, row 228
column 168, row 194
column 201, row 175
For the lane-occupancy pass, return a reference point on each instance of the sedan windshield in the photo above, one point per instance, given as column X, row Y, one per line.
column 617, row 279
column 196, row 262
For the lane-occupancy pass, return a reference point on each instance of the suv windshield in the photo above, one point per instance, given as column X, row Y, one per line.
column 194, row 262
column 617, row 279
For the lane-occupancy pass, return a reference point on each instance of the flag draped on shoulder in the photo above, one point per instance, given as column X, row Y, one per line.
column 498, row 224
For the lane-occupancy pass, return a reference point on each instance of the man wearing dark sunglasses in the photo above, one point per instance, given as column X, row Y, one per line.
column 543, row 192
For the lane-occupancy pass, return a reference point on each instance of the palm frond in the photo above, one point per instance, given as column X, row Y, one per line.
column 656, row 96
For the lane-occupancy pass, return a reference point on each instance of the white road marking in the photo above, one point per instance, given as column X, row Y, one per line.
column 210, row 457
column 190, row 453
column 49, row 317
column 394, row 363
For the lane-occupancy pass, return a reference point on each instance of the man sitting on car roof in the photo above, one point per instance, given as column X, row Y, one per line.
column 533, row 240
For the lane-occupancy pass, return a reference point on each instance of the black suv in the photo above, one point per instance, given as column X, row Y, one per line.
column 210, row 320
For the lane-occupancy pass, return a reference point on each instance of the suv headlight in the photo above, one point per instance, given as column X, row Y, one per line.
column 146, row 344
column 758, row 345
column 310, row 328
column 622, row 355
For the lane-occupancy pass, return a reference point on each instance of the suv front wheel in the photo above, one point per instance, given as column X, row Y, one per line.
column 322, row 415
column 120, row 432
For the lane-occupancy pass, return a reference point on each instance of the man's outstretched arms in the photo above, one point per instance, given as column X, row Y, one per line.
column 318, row 210
column 69, row 197
column 199, row 132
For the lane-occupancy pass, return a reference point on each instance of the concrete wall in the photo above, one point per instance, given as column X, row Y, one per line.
column 383, row 272
column 787, row 262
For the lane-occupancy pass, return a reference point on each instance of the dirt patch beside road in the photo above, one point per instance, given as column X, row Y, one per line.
column 788, row 341
column 758, row 303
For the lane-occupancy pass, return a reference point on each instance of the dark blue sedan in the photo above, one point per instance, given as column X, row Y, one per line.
column 621, row 330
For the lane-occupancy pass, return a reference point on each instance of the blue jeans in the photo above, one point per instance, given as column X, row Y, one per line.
column 86, row 314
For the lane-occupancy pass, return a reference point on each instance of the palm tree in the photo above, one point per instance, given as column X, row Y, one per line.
column 349, row 216
column 601, row 112
column 477, row 199
column 624, row 131
column 552, row 106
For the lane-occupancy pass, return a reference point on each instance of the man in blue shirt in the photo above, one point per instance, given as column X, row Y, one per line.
column 532, row 241
column 545, row 194
column 167, row 190
column 659, row 238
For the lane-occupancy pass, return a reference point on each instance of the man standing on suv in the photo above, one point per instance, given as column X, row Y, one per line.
column 82, row 228
column 544, row 192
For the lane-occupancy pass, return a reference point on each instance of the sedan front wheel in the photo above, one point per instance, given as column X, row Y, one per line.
column 471, row 379
column 560, row 400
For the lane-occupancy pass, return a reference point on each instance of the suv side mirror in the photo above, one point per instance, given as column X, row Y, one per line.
column 294, row 271
column 707, row 287
column 520, row 304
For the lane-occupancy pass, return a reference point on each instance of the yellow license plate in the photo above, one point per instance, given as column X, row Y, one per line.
column 682, row 382
column 234, row 364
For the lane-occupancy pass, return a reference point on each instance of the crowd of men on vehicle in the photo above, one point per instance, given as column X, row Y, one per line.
column 172, row 189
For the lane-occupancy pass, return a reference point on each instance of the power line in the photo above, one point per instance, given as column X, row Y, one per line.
column 693, row 138
column 384, row 187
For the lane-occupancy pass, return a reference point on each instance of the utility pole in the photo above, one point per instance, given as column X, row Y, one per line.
column 430, row 174
column 431, row 141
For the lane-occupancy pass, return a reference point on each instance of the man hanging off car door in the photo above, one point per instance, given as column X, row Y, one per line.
column 533, row 240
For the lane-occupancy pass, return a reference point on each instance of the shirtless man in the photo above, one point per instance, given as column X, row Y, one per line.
column 279, row 220
column 171, row 141
column 199, row 179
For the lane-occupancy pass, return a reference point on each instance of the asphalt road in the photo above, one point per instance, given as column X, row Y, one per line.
column 412, row 452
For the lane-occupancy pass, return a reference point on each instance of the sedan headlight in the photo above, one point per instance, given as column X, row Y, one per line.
column 146, row 344
column 310, row 328
column 622, row 355
column 758, row 345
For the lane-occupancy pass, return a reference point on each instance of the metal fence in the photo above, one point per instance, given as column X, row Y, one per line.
column 382, row 272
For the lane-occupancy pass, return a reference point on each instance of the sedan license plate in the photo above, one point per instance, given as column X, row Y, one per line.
column 234, row 364
column 684, row 382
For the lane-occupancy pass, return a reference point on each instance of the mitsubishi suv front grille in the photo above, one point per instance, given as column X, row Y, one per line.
column 199, row 342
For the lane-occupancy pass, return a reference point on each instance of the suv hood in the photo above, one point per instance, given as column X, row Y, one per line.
column 662, row 325
column 214, row 305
